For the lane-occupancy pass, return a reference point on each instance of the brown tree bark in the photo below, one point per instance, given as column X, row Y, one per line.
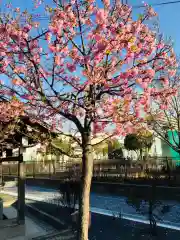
column 84, row 206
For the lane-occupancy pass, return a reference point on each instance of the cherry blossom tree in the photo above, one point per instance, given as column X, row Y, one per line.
column 164, row 115
column 91, row 65
column 10, row 110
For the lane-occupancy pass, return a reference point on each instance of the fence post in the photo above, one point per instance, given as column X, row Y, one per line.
column 125, row 172
column 34, row 173
column 9, row 169
column 49, row 169
column 54, row 167
column 1, row 173
column 21, row 191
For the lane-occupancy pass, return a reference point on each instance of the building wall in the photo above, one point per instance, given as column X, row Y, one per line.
column 156, row 149
column 159, row 148
column 28, row 153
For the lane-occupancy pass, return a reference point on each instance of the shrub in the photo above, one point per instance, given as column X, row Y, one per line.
column 70, row 192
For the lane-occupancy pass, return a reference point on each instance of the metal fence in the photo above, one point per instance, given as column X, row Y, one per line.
column 102, row 168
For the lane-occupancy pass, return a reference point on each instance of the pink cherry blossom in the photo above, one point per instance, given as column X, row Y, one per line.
column 48, row 36
column 27, row 97
column 163, row 107
column 150, row 73
column 172, row 73
column 52, row 48
column 139, row 81
column 134, row 72
column 10, row 110
column 101, row 16
column 144, row 85
column 58, row 60
column 106, row 2
column 71, row 67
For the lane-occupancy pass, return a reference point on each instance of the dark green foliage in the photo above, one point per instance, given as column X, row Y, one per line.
column 116, row 154
column 70, row 193
column 131, row 142
column 138, row 141
column 115, row 149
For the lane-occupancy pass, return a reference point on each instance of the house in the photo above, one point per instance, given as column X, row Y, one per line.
column 23, row 136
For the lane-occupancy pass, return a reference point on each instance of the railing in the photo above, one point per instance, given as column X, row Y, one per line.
column 119, row 168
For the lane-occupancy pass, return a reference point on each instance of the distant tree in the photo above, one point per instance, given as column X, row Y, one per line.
column 116, row 154
column 116, row 144
column 139, row 142
column 103, row 147
column 132, row 143
column 62, row 146
column 146, row 139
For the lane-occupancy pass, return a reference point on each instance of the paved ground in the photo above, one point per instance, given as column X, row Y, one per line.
column 39, row 229
column 106, row 203
column 104, row 227
column 62, row 235
column 10, row 229
column 107, row 228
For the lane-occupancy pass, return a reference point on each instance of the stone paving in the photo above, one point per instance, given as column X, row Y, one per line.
column 62, row 235
column 33, row 227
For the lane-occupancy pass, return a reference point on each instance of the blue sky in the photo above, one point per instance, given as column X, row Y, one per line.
column 169, row 19
column 169, row 16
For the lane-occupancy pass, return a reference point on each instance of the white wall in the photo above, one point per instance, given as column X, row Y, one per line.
column 160, row 148
column 156, row 149
column 130, row 154
column 28, row 153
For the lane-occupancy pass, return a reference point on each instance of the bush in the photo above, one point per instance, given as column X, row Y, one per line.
column 70, row 193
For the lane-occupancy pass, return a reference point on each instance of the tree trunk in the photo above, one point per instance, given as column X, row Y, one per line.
column 87, row 170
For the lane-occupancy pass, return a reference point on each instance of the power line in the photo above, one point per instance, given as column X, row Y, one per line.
column 158, row 4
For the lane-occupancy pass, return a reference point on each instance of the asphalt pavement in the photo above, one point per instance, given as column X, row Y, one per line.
column 106, row 204
column 104, row 225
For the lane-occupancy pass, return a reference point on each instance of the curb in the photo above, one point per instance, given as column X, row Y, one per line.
column 51, row 220
column 136, row 185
